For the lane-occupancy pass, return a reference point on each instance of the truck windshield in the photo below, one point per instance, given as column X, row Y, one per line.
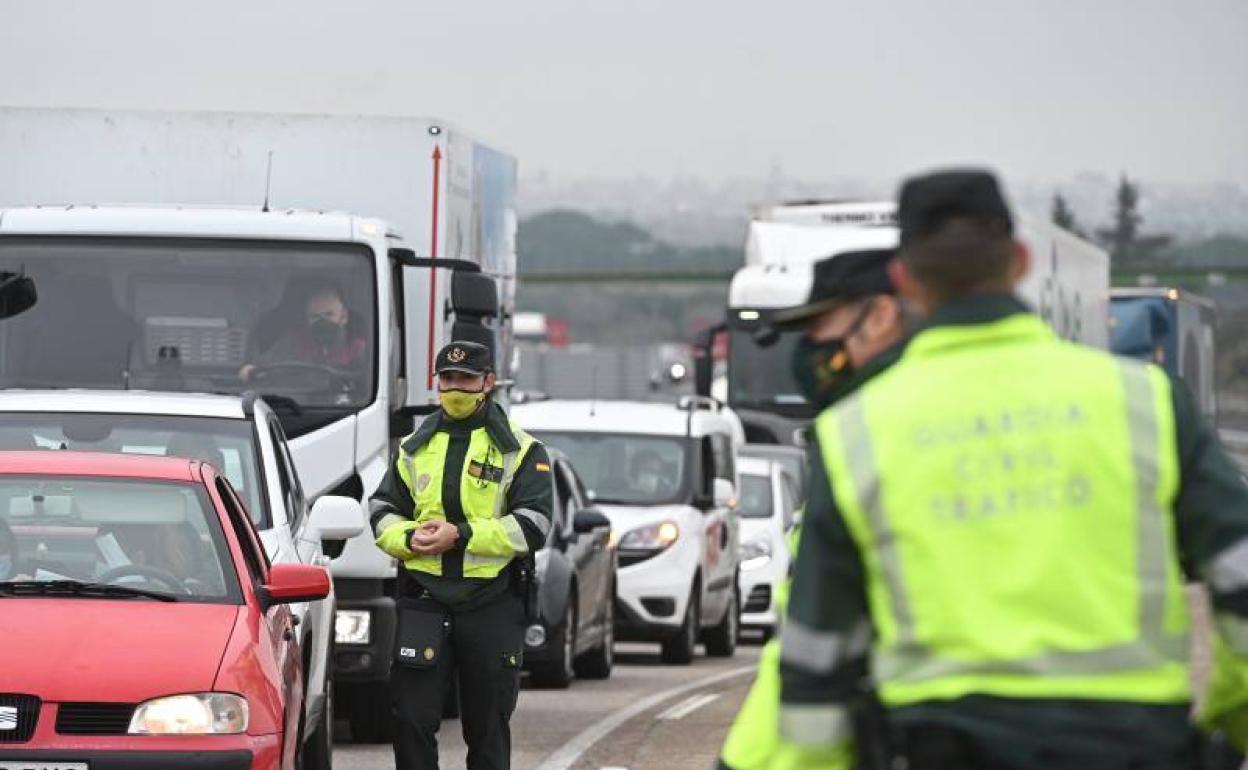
column 761, row 377
column 226, row 444
column 289, row 319
column 627, row 469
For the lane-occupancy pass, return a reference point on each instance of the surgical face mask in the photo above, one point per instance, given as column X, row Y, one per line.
column 325, row 331
column 823, row 370
column 461, row 404
column 6, row 567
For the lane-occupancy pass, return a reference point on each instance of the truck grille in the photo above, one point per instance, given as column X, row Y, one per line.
column 94, row 718
column 18, row 716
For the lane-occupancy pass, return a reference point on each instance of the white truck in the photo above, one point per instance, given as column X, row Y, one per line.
column 1068, row 285
column 231, row 222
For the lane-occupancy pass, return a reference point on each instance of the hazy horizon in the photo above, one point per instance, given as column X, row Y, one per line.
column 692, row 88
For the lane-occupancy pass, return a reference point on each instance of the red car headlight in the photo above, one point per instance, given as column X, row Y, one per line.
column 205, row 713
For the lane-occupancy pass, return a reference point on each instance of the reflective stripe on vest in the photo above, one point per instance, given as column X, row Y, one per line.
column 908, row 662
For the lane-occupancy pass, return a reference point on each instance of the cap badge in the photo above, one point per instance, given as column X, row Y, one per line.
column 456, row 355
column 429, row 653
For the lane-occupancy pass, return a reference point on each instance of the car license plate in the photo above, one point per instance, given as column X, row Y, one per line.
column 25, row 764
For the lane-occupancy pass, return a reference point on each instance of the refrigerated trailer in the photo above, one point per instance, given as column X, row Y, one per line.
column 170, row 249
column 1068, row 285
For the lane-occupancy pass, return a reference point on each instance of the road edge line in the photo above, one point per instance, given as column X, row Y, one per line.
column 573, row 750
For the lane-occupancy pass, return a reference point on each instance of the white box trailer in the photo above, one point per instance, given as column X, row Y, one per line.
column 1068, row 285
column 168, row 248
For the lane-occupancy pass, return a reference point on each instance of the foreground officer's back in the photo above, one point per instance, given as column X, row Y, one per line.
column 1012, row 514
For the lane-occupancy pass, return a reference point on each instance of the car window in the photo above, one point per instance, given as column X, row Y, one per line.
column 253, row 553
column 156, row 535
column 628, row 469
column 755, row 499
column 225, row 443
column 288, row 478
column 788, row 501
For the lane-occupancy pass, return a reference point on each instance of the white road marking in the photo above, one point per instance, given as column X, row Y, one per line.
column 688, row 706
column 567, row 756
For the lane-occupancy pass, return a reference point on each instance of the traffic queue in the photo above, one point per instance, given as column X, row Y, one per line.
column 268, row 460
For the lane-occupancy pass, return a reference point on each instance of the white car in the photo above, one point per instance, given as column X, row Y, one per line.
column 665, row 475
column 766, row 507
column 242, row 438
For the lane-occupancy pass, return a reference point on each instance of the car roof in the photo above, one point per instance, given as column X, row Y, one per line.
column 754, row 466
column 48, row 462
column 771, row 450
column 123, row 402
column 654, row 418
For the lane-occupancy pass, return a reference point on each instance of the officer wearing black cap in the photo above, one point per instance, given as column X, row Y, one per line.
column 854, row 328
column 1010, row 521
column 463, row 507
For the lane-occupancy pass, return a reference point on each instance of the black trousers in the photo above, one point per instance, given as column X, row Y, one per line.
column 935, row 747
column 485, row 648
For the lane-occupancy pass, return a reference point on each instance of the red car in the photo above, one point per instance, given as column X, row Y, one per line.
column 141, row 625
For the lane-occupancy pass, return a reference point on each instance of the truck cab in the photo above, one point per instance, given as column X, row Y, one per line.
column 1068, row 286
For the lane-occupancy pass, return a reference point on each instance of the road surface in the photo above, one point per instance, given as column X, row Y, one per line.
column 647, row 716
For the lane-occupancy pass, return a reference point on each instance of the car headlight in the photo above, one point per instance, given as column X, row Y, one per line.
column 755, row 553
column 652, row 537
column 353, row 627
column 205, row 713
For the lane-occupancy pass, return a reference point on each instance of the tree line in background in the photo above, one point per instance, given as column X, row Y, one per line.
column 1130, row 247
column 571, row 263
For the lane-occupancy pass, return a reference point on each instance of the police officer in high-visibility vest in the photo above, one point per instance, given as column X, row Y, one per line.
column 464, row 505
column 1006, row 524
column 853, row 327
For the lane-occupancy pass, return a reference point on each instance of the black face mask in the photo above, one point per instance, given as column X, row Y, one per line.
column 822, row 369
column 325, row 331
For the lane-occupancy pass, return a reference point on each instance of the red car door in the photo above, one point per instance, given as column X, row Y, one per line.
column 276, row 630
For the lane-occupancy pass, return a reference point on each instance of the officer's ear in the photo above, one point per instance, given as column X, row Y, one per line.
column 909, row 287
column 490, row 380
column 1020, row 263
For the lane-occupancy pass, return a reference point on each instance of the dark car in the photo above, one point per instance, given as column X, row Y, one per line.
column 573, row 634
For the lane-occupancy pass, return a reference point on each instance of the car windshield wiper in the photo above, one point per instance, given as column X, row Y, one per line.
column 79, row 588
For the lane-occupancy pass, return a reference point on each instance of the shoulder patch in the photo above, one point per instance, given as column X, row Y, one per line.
column 542, row 467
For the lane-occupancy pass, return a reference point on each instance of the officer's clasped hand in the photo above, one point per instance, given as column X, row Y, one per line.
column 433, row 538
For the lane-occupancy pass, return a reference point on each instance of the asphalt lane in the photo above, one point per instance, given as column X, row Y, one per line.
column 646, row 716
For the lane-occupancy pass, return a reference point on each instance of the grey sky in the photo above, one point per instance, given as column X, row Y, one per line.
column 713, row 88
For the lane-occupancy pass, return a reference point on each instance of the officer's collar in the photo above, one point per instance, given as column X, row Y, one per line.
column 492, row 417
column 978, row 308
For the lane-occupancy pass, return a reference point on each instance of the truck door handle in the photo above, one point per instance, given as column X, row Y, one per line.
column 723, row 536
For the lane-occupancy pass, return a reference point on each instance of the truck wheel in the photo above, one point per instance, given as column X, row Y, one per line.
column 679, row 649
column 597, row 663
column 721, row 639
column 372, row 720
column 558, row 673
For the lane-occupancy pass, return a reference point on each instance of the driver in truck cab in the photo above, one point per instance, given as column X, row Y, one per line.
column 323, row 336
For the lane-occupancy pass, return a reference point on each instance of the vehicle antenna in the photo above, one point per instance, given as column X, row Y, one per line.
column 268, row 183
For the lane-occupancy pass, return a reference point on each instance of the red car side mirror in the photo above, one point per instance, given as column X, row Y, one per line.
column 289, row 583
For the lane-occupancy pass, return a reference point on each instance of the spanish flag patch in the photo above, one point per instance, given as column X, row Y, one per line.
column 542, row 467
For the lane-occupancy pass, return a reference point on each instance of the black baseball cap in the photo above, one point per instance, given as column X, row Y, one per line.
column 463, row 356
column 840, row 278
column 927, row 202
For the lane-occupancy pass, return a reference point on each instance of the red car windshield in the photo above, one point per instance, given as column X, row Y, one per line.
column 154, row 536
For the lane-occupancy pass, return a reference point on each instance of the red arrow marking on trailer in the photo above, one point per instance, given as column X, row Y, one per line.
column 433, row 254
